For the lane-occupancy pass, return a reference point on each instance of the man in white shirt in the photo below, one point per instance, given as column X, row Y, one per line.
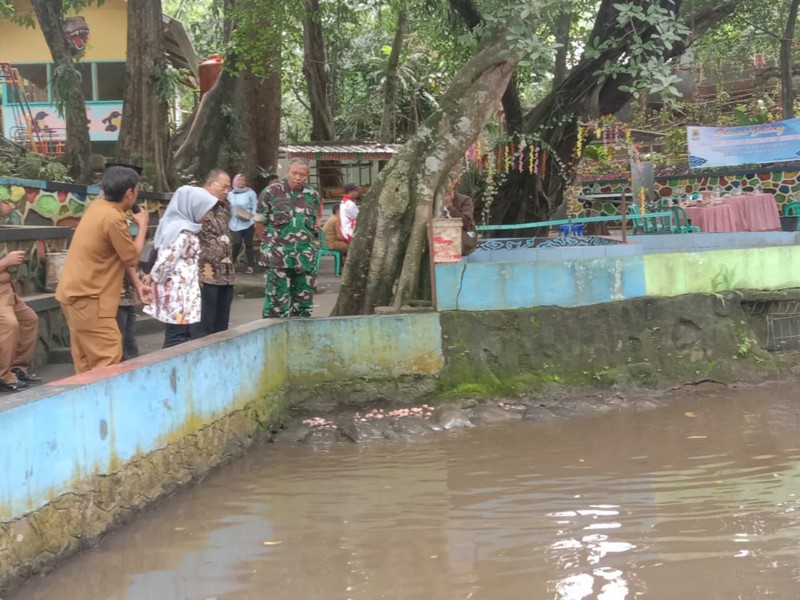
column 348, row 211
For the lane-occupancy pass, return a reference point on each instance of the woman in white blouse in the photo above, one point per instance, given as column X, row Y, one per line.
column 175, row 274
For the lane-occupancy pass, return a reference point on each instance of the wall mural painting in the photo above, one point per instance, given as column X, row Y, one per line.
column 20, row 205
column 105, row 119
column 35, row 206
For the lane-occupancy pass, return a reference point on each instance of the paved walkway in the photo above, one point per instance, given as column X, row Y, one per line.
column 246, row 307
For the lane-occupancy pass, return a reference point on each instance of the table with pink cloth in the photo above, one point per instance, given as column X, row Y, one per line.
column 713, row 218
column 755, row 212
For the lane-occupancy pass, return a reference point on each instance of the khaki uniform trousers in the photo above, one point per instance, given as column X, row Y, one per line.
column 19, row 330
column 94, row 341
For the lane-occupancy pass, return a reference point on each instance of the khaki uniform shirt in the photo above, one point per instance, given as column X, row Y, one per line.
column 216, row 247
column 95, row 265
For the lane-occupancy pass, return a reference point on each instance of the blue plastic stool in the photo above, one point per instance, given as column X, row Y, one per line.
column 570, row 229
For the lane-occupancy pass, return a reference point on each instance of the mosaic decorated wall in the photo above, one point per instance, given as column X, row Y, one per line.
column 784, row 185
column 43, row 203
column 37, row 206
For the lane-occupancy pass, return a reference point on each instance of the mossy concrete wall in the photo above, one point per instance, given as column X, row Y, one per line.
column 769, row 268
column 644, row 342
column 85, row 453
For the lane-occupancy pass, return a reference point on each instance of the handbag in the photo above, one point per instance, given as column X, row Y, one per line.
column 242, row 214
column 148, row 258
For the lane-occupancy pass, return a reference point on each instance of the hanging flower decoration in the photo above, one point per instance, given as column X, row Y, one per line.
column 580, row 141
column 497, row 157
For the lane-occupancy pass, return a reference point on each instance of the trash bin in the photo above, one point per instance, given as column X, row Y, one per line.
column 789, row 223
column 54, row 269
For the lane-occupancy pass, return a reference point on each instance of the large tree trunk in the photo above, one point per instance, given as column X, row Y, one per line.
column 384, row 260
column 390, row 84
column 237, row 123
column 259, row 102
column 561, row 34
column 50, row 14
column 144, row 136
column 314, row 70
column 512, row 105
column 210, row 130
column 201, row 143
column 529, row 197
column 786, row 54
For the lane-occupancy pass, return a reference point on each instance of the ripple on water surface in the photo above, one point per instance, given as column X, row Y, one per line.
column 698, row 499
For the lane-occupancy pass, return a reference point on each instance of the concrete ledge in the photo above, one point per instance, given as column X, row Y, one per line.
column 715, row 241
column 29, row 232
column 75, row 188
column 42, row 302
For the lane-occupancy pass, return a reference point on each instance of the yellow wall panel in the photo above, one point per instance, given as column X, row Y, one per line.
column 107, row 35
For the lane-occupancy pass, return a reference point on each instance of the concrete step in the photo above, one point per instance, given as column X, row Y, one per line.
column 59, row 355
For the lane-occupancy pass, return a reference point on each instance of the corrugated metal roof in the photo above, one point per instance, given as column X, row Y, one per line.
column 365, row 150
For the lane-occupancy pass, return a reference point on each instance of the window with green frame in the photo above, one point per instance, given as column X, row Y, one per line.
column 100, row 81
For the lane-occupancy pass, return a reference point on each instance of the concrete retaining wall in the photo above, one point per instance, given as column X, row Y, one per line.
column 653, row 266
column 84, row 453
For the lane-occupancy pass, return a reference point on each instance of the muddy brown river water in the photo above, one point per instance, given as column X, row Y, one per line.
column 699, row 499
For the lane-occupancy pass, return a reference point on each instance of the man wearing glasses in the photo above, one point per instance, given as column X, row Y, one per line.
column 216, row 260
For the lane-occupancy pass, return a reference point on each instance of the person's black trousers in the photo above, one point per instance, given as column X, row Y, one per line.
column 175, row 334
column 215, row 306
column 126, row 320
column 244, row 236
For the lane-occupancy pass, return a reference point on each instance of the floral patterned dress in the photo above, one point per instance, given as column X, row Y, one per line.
column 176, row 282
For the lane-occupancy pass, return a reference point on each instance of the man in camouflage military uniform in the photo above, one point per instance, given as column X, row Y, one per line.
column 216, row 260
column 288, row 214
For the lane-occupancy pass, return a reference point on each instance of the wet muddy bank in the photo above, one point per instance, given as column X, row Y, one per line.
column 382, row 421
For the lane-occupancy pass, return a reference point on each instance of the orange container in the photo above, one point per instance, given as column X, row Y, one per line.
column 209, row 72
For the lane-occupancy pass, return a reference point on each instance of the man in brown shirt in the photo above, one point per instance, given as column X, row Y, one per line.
column 333, row 233
column 216, row 260
column 101, row 251
column 459, row 206
column 19, row 329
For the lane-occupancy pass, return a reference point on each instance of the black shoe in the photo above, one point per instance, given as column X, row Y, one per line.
column 26, row 377
column 14, row 386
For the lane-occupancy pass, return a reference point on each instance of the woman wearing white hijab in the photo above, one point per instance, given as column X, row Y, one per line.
column 176, row 277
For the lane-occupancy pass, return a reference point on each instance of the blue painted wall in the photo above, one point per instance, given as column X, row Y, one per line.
column 56, row 436
column 510, row 285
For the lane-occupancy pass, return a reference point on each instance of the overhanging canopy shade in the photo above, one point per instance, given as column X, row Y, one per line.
column 180, row 51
